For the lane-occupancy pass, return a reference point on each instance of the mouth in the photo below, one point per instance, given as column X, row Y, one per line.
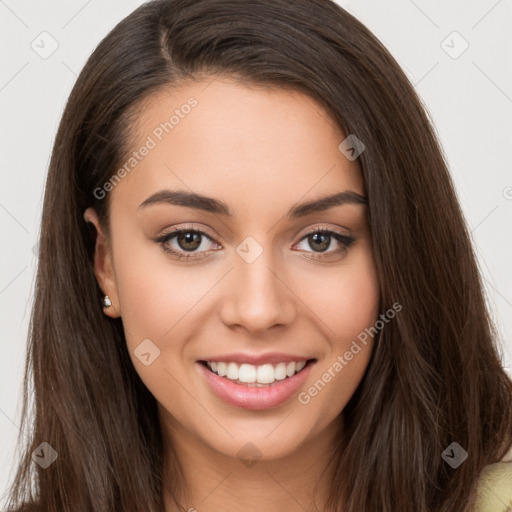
column 265, row 375
column 268, row 385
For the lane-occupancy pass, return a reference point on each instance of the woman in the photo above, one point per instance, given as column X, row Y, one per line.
column 256, row 288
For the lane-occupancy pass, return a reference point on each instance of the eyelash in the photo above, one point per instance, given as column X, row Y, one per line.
column 163, row 240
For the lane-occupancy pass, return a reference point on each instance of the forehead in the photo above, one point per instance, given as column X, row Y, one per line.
column 245, row 145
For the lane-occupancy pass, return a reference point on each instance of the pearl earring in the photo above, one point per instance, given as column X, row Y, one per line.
column 107, row 302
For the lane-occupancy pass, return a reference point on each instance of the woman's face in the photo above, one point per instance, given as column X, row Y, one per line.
column 247, row 282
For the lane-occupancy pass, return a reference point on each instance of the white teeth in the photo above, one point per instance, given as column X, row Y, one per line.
column 280, row 371
column 221, row 368
column 247, row 373
column 299, row 366
column 232, row 372
column 256, row 375
column 265, row 374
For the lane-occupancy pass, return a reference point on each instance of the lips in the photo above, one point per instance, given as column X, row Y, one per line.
column 253, row 395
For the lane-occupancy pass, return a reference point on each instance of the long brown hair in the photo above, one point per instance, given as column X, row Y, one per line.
column 434, row 376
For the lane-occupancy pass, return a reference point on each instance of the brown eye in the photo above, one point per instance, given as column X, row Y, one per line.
column 187, row 243
column 189, row 240
column 324, row 243
column 319, row 242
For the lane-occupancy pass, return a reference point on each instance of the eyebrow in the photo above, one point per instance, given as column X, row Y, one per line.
column 211, row 205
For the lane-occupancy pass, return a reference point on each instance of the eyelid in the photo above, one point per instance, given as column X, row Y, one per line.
column 188, row 227
column 321, row 227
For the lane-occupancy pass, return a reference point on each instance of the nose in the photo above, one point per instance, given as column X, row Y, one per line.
column 258, row 296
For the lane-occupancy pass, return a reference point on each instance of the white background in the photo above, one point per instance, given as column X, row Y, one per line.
column 469, row 99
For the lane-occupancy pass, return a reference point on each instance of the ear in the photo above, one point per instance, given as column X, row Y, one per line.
column 103, row 265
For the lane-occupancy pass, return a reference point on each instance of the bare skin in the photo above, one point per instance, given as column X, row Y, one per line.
column 260, row 151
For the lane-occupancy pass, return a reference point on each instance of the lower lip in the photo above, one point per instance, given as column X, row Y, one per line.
column 256, row 398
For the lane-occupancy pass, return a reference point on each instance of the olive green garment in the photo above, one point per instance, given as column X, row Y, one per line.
column 495, row 488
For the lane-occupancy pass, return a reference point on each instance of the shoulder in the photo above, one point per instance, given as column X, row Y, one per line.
column 495, row 488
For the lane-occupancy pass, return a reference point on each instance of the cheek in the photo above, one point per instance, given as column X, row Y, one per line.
column 346, row 306
column 344, row 301
column 155, row 296
column 158, row 303
column 145, row 310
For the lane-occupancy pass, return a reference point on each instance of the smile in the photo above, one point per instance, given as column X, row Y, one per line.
column 255, row 387
column 255, row 376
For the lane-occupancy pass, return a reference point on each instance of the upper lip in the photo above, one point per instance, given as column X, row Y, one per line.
column 257, row 359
